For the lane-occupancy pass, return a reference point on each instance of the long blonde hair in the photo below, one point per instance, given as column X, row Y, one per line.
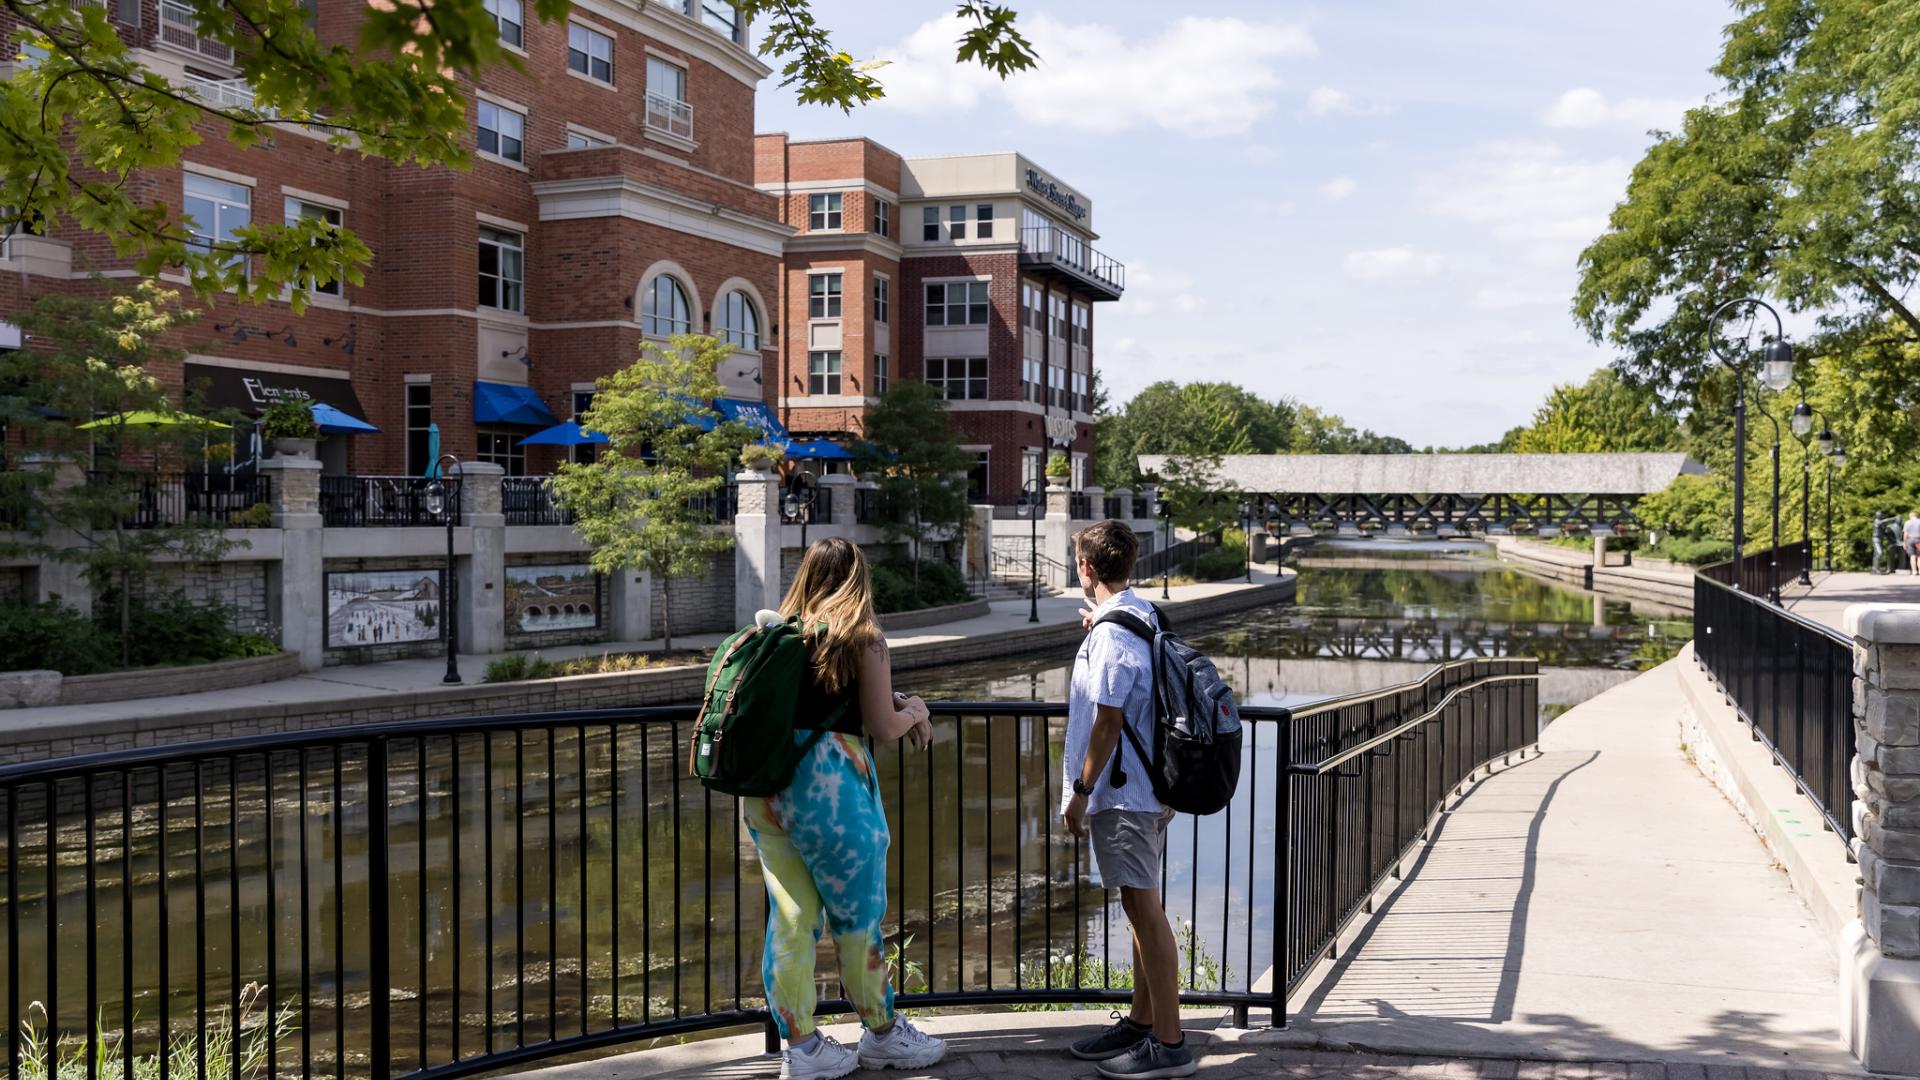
column 833, row 596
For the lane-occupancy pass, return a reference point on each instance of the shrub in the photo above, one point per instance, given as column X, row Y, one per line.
column 53, row 635
column 171, row 629
column 516, row 666
column 1692, row 552
column 257, row 516
column 893, row 589
column 1218, row 564
column 289, row 419
column 165, row 630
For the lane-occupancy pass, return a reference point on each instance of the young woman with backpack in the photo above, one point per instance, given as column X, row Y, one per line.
column 823, row 839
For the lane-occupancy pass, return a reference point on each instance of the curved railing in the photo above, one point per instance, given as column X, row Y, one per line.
column 1788, row 678
column 445, row 897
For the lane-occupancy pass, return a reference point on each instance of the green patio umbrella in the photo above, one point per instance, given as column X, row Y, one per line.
column 152, row 418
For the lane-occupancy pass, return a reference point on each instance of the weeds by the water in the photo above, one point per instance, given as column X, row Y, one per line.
column 41, row 1058
column 1077, row 967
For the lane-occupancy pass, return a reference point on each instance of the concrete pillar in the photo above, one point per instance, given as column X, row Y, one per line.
column 1096, row 501
column 297, row 585
column 483, row 573
column 978, row 555
column 1880, row 952
column 1125, row 495
column 56, row 579
column 630, row 606
column 756, row 546
column 1600, row 550
column 836, row 489
column 1056, row 534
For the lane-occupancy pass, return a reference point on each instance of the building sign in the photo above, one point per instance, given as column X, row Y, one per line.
column 263, row 394
column 252, row 390
column 1061, row 430
column 1044, row 187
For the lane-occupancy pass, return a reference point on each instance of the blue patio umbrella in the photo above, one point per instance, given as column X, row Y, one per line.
column 433, row 449
column 334, row 422
column 819, row 450
column 566, row 433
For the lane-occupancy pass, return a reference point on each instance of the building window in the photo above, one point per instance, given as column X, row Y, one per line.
column 883, row 217
column 977, row 478
column 1031, row 388
column 1032, row 308
column 739, row 321
column 664, row 310
column 823, row 296
column 1057, row 317
column 1082, row 324
column 580, row 140
column 508, row 18
column 721, row 16
column 1031, row 463
column 590, row 53
column 667, row 108
column 959, row 378
column 583, row 453
column 956, row 223
column 823, row 372
column 957, row 303
column 299, row 210
column 1082, row 401
column 219, row 210
column 501, row 132
column 419, row 416
column 983, row 221
column 823, row 212
column 1056, row 387
column 930, row 223
column 882, row 299
column 880, row 375
column 502, row 262
column 501, row 446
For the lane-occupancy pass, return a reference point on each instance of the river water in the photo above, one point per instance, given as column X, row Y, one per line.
column 562, row 880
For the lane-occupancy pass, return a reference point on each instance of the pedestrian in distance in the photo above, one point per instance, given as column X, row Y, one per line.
column 1910, row 540
column 1126, row 826
column 823, row 840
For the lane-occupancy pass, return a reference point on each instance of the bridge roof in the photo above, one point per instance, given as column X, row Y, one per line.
column 1434, row 474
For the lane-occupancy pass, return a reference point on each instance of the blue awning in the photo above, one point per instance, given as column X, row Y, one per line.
column 757, row 415
column 505, row 403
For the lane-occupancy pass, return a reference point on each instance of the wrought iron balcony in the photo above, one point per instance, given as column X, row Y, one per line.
column 1073, row 261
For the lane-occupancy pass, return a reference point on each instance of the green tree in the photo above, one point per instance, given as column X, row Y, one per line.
column 1602, row 415
column 914, row 453
column 84, row 497
column 644, row 504
column 1799, row 180
column 88, row 111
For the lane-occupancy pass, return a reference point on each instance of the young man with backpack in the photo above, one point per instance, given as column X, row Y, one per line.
column 1111, row 712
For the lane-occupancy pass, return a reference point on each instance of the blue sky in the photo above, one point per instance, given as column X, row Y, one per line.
column 1372, row 206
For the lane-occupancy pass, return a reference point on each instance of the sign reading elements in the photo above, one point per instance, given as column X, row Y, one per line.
column 261, row 394
column 1044, row 187
column 1061, row 430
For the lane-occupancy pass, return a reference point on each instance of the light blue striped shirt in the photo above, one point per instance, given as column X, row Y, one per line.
column 1114, row 667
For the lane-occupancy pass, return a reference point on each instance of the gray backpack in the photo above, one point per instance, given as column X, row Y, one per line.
column 1194, row 761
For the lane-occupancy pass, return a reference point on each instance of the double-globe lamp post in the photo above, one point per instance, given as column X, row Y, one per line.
column 1033, row 503
column 1776, row 371
column 1802, row 425
column 445, row 504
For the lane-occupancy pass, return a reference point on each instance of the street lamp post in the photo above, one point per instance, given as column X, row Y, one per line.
column 1802, row 424
column 1777, row 373
column 444, row 504
column 798, row 502
column 1166, row 548
column 1773, row 551
column 1246, row 530
column 1835, row 460
column 1033, row 499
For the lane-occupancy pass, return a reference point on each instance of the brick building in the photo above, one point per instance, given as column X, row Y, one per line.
column 618, row 193
column 972, row 272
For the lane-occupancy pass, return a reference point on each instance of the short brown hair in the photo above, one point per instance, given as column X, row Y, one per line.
column 1110, row 547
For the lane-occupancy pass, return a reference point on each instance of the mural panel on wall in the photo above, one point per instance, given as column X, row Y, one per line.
column 552, row 597
column 382, row 607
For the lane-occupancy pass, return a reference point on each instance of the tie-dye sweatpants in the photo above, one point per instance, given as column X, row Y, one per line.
column 823, row 847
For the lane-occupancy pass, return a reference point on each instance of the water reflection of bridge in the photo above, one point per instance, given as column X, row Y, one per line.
column 1440, row 640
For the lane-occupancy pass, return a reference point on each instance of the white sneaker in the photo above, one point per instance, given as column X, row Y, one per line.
column 822, row 1059
column 904, row 1047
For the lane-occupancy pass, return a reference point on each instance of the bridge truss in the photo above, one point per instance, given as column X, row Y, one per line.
column 1447, row 513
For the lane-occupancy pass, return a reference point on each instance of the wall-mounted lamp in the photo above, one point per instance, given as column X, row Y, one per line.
column 519, row 354
column 344, row 341
column 750, row 373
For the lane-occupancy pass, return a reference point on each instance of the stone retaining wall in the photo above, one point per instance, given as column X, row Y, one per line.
column 167, row 681
column 1632, row 582
column 934, row 616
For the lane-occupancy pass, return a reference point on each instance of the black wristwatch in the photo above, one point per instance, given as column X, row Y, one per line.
column 1080, row 788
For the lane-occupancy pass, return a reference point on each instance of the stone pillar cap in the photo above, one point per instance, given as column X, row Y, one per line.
column 477, row 468
column 1886, row 624
column 835, row 478
column 294, row 463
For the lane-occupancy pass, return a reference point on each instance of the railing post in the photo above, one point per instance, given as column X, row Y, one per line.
column 296, row 584
column 1282, row 871
column 379, row 970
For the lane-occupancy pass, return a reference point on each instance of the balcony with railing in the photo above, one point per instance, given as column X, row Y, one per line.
column 179, row 29
column 220, row 93
column 669, row 116
column 1072, row 262
column 529, row 500
column 387, row 501
column 164, row 500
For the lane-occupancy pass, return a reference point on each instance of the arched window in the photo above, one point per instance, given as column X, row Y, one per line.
column 739, row 323
column 664, row 310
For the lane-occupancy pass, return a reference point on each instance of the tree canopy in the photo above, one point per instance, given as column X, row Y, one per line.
column 1601, row 415
column 84, row 112
column 914, row 453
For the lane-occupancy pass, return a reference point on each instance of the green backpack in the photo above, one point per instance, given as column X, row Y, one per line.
column 744, row 742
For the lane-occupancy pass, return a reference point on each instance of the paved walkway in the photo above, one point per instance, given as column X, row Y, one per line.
column 1827, row 599
column 1601, row 902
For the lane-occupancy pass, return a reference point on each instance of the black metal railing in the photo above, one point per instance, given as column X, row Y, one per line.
column 1169, row 559
column 1113, row 506
column 1045, row 245
column 818, row 512
column 722, row 503
column 160, row 500
column 1763, row 572
column 386, row 501
column 531, row 500
column 869, row 505
column 445, row 897
column 1788, row 678
column 1140, row 507
column 1079, row 506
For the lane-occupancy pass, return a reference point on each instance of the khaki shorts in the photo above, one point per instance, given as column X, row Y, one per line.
column 1127, row 847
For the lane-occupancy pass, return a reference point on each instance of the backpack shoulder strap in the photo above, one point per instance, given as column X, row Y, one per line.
column 1129, row 621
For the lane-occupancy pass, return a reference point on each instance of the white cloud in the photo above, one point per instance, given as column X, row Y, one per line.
column 1200, row 77
column 1533, row 194
column 1495, row 298
column 1338, row 188
column 1271, row 208
column 1151, row 291
column 1329, row 101
column 1389, row 262
column 1585, row 107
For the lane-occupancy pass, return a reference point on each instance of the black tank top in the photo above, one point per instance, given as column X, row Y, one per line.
column 816, row 705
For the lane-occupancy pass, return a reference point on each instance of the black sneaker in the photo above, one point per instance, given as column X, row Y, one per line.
column 1123, row 1036
column 1150, row 1060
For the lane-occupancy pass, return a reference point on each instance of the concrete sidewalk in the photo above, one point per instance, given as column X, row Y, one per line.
column 1827, row 599
column 1601, row 902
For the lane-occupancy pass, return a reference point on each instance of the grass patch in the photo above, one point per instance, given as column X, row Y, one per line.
column 43, row 1059
column 517, row 667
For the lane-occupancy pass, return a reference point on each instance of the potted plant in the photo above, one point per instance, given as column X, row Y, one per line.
column 759, row 458
column 1058, row 470
column 289, row 426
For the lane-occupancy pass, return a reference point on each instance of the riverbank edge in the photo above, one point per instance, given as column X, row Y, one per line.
column 1672, row 588
column 626, row 689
